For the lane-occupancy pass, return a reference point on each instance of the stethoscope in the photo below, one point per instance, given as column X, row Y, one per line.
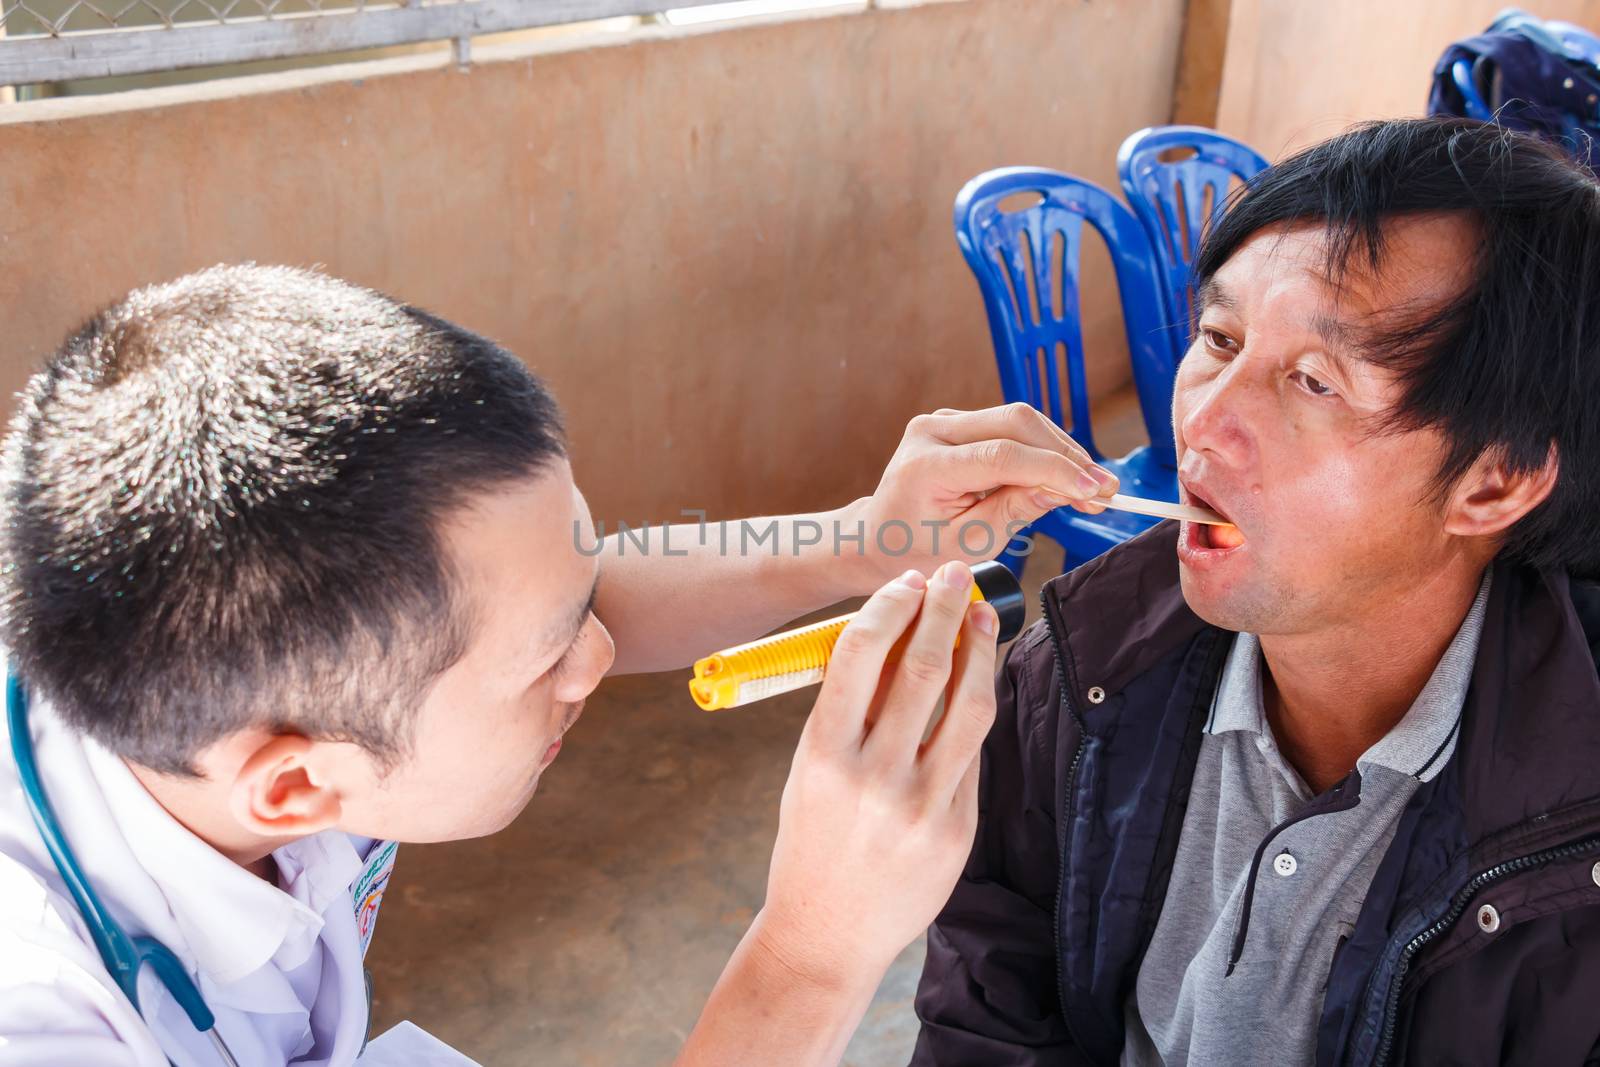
column 123, row 955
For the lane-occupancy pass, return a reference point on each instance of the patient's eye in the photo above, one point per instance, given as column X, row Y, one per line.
column 1216, row 340
column 1314, row 386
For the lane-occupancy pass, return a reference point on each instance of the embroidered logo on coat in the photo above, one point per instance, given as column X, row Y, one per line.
column 367, row 893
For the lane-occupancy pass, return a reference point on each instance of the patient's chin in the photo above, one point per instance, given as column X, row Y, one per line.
column 1232, row 606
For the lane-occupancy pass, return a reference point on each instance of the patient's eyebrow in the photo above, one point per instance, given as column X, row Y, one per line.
column 1213, row 293
column 1341, row 338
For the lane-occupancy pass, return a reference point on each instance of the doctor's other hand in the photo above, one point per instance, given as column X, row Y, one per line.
column 961, row 483
column 876, row 823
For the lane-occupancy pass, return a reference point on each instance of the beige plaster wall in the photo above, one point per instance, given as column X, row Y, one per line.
column 729, row 250
column 1298, row 71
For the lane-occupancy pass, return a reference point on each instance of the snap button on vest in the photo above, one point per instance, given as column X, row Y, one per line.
column 1096, row 695
column 1488, row 919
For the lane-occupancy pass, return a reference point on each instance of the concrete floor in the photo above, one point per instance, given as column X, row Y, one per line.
column 590, row 932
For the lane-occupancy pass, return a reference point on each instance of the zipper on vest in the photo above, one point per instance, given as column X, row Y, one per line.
column 1066, row 813
column 1459, row 905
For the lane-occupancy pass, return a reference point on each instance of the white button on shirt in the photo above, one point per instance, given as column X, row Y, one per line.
column 279, row 966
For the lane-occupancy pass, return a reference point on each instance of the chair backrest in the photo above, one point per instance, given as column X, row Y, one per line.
column 1027, row 266
column 1177, row 199
column 1472, row 101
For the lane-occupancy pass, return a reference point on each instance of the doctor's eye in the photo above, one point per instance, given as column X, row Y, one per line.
column 570, row 656
column 564, row 664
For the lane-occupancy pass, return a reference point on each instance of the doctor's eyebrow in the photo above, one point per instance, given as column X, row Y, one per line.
column 562, row 635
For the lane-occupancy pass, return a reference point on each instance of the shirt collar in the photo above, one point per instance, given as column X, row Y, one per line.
column 1237, row 704
column 231, row 923
column 1419, row 745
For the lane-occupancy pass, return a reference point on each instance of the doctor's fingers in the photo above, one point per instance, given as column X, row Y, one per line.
column 985, row 465
column 917, row 680
column 949, row 757
column 856, row 667
column 1011, row 422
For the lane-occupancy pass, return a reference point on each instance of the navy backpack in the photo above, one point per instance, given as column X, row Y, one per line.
column 1526, row 74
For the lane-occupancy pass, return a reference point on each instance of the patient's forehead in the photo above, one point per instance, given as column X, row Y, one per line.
column 1426, row 260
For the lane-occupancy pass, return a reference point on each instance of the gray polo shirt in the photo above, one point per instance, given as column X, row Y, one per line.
column 1220, row 985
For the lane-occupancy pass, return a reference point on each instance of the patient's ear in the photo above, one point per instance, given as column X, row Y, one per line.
column 280, row 791
column 1490, row 498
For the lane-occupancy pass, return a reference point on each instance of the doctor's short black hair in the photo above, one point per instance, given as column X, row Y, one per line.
column 223, row 504
column 1511, row 365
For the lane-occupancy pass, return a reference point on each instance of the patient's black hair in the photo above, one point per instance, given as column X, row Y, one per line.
column 1511, row 365
column 224, row 499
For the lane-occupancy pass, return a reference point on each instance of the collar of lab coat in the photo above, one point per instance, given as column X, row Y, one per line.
column 160, row 879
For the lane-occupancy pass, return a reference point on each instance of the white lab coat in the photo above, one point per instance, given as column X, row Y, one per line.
column 279, row 966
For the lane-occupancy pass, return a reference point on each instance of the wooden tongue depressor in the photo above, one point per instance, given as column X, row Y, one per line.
column 1161, row 509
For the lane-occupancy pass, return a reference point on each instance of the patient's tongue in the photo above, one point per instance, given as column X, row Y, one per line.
column 1226, row 537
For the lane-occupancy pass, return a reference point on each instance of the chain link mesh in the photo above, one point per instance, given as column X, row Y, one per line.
column 37, row 18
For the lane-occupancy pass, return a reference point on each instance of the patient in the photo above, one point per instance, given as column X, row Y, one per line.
column 1327, row 789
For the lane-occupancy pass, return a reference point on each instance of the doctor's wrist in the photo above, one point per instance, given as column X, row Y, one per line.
column 791, row 954
column 861, row 564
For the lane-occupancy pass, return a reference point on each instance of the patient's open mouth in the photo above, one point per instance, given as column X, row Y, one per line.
column 1213, row 538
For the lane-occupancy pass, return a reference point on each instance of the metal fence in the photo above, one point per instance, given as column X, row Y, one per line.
column 59, row 40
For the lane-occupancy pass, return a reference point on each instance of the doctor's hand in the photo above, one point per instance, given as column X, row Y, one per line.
column 963, row 482
column 875, row 825
column 874, row 829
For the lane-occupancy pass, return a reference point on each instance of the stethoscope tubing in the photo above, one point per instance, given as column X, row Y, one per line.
column 123, row 955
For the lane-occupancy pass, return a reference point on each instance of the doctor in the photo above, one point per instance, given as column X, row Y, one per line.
column 292, row 572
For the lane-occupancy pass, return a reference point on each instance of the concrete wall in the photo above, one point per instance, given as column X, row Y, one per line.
column 1295, row 72
column 729, row 250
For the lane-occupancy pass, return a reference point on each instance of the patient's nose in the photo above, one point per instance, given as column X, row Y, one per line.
column 1213, row 416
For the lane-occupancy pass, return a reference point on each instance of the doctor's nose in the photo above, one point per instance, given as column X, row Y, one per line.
column 593, row 656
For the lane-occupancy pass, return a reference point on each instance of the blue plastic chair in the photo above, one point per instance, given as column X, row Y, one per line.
column 1034, row 322
column 1171, row 199
column 1471, row 99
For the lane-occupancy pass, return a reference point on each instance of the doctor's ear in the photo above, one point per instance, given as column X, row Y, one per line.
column 1491, row 497
column 281, row 792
